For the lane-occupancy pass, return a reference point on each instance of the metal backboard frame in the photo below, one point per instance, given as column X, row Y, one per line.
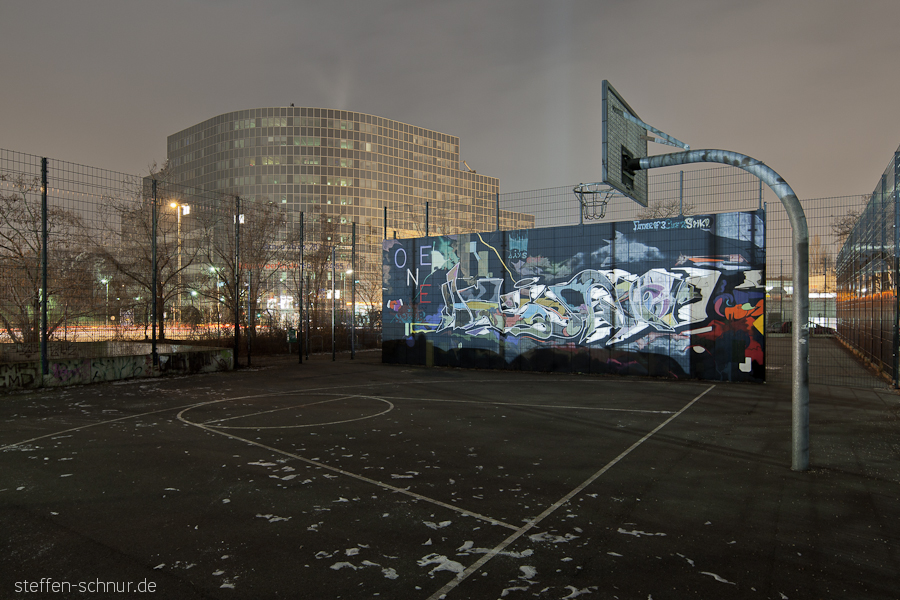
column 623, row 139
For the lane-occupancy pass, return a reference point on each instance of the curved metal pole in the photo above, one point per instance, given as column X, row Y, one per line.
column 800, row 257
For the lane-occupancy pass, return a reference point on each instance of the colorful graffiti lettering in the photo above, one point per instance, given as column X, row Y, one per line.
column 678, row 291
column 593, row 306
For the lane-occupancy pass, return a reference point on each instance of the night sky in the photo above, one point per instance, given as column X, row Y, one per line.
column 810, row 87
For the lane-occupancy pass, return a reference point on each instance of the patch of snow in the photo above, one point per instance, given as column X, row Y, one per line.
column 574, row 592
column 717, row 578
column 638, row 533
column 527, row 572
column 553, row 539
column 272, row 518
column 443, row 564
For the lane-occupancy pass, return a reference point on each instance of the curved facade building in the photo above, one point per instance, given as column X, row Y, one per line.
column 340, row 163
column 340, row 167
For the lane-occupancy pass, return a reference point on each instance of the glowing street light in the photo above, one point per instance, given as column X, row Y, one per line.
column 105, row 282
column 180, row 209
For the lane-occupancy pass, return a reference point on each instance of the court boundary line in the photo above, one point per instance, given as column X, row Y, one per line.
column 460, row 577
column 352, row 475
column 267, row 412
column 191, row 405
column 525, row 404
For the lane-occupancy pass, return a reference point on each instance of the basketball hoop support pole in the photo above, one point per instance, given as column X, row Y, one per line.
column 800, row 257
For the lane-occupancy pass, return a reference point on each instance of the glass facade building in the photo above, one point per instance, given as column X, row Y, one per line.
column 340, row 165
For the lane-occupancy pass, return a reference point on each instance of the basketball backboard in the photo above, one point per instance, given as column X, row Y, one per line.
column 623, row 140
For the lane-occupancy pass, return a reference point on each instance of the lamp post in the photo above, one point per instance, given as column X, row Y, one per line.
column 105, row 281
column 179, row 210
column 352, row 313
column 333, row 349
column 213, row 269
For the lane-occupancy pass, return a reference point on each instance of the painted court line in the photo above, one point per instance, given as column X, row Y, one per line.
column 41, row 437
column 493, row 403
column 194, row 405
column 356, row 476
column 442, row 593
column 213, row 422
column 265, row 412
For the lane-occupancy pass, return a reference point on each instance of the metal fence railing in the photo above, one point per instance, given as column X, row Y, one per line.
column 102, row 289
column 98, row 263
column 834, row 347
column 868, row 271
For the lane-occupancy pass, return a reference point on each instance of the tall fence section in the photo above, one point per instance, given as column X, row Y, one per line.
column 86, row 288
column 867, row 272
column 835, row 356
column 99, row 264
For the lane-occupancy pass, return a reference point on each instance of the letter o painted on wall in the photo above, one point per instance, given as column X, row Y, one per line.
column 396, row 258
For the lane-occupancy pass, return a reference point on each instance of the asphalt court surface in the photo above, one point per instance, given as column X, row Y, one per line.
column 353, row 479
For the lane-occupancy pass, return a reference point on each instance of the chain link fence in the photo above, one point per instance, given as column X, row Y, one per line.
column 139, row 265
column 843, row 350
column 222, row 263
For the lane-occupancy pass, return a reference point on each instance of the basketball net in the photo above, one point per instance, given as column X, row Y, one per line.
column 593, row 197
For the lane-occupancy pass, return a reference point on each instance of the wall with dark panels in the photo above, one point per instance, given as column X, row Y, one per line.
column 680, row 297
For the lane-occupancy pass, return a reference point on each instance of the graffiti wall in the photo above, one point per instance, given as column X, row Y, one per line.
column 679, row 297
column 77, row 371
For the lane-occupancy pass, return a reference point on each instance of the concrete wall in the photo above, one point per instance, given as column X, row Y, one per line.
column 26, row 375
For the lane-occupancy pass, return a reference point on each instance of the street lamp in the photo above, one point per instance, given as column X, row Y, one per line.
column 106, row 283
column 180, row 209
column 352, row 313
column 213, row 269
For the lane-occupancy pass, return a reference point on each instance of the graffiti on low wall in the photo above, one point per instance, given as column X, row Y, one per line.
column 16, row 376
column 25, row 375
column 678, row 297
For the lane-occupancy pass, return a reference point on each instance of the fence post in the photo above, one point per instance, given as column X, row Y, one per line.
column 154, row 351
column 307, row 317
column 882, row 359
column 235, row 273
column 896, row 289
column 385, row 222
column 333, row 349
column 498, row 210
column 44, row 360
column 300, row 296
column 353, row 294
column 251, row 315
column 426, row 218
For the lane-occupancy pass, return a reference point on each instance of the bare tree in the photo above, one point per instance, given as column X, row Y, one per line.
column 321, row 239
column 68, row 293
column 819, row 256
column 265, row 252
column 842, row 226
column 369, row 293
column 666, row 209
column 125, row 238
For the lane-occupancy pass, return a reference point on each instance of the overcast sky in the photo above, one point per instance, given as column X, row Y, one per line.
column 809, row 87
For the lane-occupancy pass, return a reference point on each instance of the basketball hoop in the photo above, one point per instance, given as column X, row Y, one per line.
column 594, row 197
